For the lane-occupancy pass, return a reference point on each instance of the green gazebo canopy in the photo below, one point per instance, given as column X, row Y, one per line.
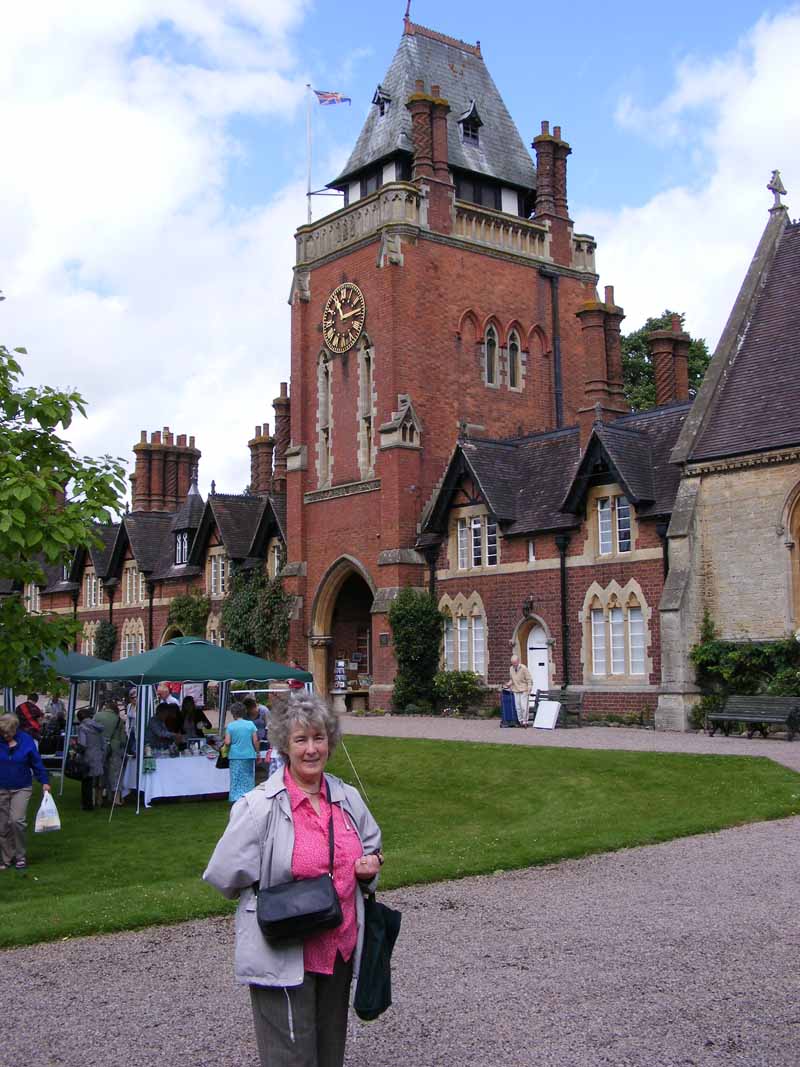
column 190, row 659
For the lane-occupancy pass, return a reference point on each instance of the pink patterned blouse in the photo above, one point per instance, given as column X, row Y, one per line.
column 310, row 859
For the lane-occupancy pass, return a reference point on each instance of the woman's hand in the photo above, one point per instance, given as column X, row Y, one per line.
column 367, row 867
column 45, row 788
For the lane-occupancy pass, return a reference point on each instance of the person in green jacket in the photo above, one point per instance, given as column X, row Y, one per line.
column 114, row 732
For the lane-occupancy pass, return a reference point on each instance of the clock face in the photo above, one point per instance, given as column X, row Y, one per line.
column 343, row 317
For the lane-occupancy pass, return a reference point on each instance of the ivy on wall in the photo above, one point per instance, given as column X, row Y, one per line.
column 256, row 614
column 105, row 640
column 189, row 612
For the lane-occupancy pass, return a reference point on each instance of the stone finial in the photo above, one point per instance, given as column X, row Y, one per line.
column 213, row 487
column 776, row 187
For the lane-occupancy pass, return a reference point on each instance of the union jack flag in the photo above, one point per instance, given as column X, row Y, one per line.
column 326, row 99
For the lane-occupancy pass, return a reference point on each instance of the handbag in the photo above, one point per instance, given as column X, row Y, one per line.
column 293, row 910
column 76, row 767
column 223, row 761
column 374, row 986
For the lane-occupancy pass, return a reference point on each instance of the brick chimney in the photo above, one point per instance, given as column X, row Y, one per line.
column 669, row 354
column 163, row 470
column 551, row 190
column 283, row 434
column 431, row 167
column 602, row 394
column 261, row 449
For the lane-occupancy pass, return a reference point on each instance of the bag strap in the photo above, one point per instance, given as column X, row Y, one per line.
column 330, row 824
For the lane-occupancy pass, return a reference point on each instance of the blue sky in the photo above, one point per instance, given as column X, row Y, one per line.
column 157, row 175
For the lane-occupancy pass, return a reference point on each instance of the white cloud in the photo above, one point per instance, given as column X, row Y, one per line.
column 732, row 119
column 126, row 273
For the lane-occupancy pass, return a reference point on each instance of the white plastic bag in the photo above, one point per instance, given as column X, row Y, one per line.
column 47, row 817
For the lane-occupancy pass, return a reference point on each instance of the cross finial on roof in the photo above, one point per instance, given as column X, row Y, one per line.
column 776, row 187
column 408, row 10
column 213, row 487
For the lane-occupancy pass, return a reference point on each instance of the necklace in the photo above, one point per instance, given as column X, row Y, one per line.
column 309, row 792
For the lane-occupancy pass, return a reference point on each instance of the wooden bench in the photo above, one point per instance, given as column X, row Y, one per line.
column 571, row 705
column 757, row 712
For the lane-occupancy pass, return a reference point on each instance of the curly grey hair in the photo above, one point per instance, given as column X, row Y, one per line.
column 301, row 709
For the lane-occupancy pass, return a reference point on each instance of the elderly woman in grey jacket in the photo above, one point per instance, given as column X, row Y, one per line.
column 278, row 832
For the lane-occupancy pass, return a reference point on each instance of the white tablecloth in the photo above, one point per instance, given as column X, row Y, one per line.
column 181, row 777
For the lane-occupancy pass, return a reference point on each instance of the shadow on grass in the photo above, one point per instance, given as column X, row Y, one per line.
column 447, row 810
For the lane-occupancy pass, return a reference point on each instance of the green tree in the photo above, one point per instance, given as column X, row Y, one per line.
column 256, row 613
column 105, row 640
column 189, row 612
column 37, row 525
column 637, row 369
column 417, row 626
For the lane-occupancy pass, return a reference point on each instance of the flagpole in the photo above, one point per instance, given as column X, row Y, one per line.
column 308, row 148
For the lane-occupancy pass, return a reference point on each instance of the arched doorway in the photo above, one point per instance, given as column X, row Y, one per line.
column 170, row 632
column 341, row 625
column 533, row 644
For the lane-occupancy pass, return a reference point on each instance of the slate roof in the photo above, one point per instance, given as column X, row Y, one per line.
column 237, row 518
column 101, row 555
column 536, row 483
column 151, row 538
column 463, row 78
column 757, row 402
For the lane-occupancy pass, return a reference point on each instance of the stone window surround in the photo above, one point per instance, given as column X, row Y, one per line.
column 473, row 511
column 218, row 588
column 324, row 425
column 611, row 490
column 92, row 589
column 613, row 595
column 132, row 638
column 133, row 582
column 88, row 636
column 274, row 559
column 214, row 631
column 470, row 608
column 32, row 595
column 492, row 328
column 367, row 414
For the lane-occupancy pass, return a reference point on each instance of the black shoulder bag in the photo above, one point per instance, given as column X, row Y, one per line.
column 293, row 910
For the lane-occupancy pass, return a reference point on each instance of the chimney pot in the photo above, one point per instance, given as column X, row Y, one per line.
column 181, row 440
column 557, row 132
column 419, row 86
column 676, row 323
column 435, row 91
column 609, row 294
column 191, row 442
column 284, row 389
column 545, row 126
column 143, row 437
column 156, row 438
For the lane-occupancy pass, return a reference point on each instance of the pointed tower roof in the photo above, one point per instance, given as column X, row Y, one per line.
column 191, row 510
column 465, row 82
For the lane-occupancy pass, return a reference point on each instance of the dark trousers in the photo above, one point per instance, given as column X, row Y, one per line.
column 314, row 1013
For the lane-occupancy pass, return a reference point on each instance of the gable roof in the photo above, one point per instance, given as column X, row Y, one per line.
column 189, row 514
column 151, row 539
column 750, row 397
column 539, row 483
column 464, row 81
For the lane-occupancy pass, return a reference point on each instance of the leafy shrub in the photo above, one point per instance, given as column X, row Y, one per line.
column 741, row 668
column 105, row 640
column 457, row 690
column 417, row 627
column 256, row 613
column 189, row 612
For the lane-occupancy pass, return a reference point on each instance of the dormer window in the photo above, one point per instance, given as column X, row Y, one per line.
column 470, row 124
column 181, row 547
column 65, row 570
column 381, row 100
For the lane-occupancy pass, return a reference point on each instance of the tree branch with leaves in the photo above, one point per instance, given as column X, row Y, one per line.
column 38, row 523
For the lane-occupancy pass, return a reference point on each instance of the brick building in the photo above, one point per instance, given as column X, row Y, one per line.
column 455, row 422
column 457, row 416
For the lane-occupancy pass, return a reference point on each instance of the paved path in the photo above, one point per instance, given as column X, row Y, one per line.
column 684, row 953
column 600, row 737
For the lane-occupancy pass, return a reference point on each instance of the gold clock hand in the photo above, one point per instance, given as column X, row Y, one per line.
column 349, row 314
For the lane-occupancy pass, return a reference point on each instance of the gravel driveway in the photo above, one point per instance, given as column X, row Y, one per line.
column 674, row 954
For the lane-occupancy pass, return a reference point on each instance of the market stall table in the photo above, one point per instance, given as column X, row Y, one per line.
column 183, row 776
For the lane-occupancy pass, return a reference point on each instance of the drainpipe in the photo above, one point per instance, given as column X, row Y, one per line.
column 555, row 332
column 431, row 554
column 110, row 595
column 75, row 615
column 151, row 592
column 562, row 543
column 661, row 530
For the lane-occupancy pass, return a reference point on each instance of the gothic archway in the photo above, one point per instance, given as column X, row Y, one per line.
column 341, row 622
column 170, row 632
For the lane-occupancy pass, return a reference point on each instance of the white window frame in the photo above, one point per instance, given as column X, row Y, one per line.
column 218, row 576
column 181, row 547
column 478, row 627
column 616, row 640
column 33, row 604
column 463, row 643
column 531, row 550
column 622, row 524
column 605, row 536
column 492, row 549
column 463, row 545
column 476, row 541
column 637, row 651
column 598, row 637
column 449, row 644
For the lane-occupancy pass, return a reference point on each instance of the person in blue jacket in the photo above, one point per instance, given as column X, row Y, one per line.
column 19, row 760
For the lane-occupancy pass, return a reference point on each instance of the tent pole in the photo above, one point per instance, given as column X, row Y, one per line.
column 71, row 705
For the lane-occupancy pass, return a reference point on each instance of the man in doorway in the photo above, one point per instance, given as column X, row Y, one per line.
column 520, row 683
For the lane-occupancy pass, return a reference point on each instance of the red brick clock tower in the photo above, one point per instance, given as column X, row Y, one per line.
column 440, row 302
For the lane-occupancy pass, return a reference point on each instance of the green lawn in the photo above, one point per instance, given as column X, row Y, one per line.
column 447, row 810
